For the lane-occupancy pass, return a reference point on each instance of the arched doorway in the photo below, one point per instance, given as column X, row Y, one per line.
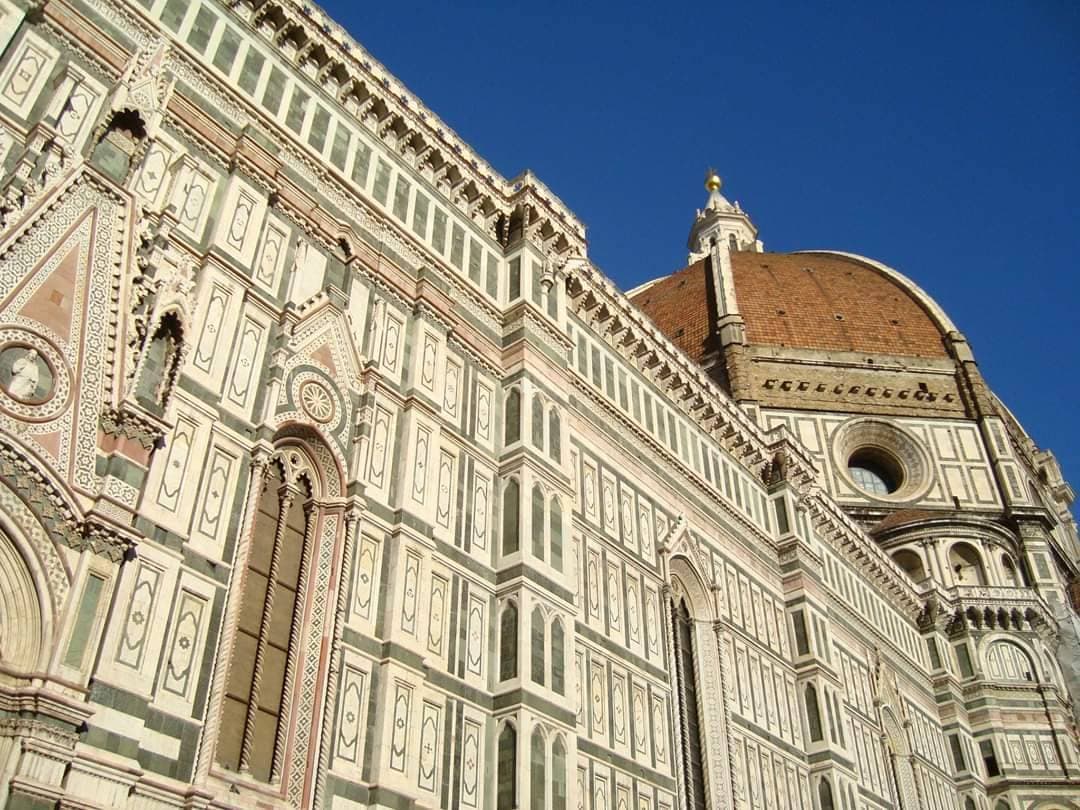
column 22, row 626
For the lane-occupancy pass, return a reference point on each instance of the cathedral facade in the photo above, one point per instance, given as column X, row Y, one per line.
column 334, row 474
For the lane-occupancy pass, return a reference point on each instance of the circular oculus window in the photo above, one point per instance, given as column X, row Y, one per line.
column 875, row 471
column 881, row 460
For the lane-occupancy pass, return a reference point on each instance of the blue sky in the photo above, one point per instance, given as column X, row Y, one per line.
column 941, row 139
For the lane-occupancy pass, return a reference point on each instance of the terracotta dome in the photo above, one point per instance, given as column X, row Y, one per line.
column 832, row 303
column 818, row 301
column 681, row 305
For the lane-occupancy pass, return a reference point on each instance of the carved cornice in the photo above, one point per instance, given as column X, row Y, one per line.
column 28, row 727
column 323, row 52
column 55, row 511
column 125, row 422
column 49, row 708
column 960, row 609
column 102, row 540
column 596, row 300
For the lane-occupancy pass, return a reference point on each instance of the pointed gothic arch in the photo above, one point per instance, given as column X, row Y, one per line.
column 555, row 533
column 318, row 455
column 511, row 517
column 557, row 657
column 536, row 422
column 537, row 768
column 536, row 515
column 697, row 662
column 160, row 363
column 512, row 416
column 290, row 543
column 686, row 580
column 558, row 774
column 39, row 513
column 899, row 754
column 26, row 619
column 537, row 644
column 508, row 641
column 554, row 435
column 506, row 769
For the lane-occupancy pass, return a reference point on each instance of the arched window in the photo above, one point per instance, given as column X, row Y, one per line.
column 969, row 803
column 911, row 562
column 966, row 564
column 1050, row 670
column 506, row 778
column 825, row 798
column 160, row 364
column 511, row 517
column 685, row 678
column 120, row 143
column 558, row 678
column 1012, row 577
column 253, row 716
column 830, row 716
column 1006, row 661
column 508, row 642
column 537, row 763
column 537, row 522
column 837, row 721
column 558, row 775
column 538, row 646
column 554, row 436
column 512, row 425
column 555, row 530
column 538, row 423
column 813, row 713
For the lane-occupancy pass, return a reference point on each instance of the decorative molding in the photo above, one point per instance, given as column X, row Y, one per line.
column 323, row 50
column 597, row 301
column 125, row 423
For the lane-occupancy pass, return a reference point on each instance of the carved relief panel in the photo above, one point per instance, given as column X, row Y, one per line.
column 192, row 195
column 352, row 710
column 60, row 333
column 219, row 478
column 238, row 229
column 24, row 75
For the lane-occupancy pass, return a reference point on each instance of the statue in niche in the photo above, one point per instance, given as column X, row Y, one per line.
column 25, row 375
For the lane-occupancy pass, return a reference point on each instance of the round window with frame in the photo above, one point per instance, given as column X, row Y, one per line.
column 879, row 460
column 875, row 471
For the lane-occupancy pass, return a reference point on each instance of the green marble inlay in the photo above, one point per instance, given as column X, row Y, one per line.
column 84, row 621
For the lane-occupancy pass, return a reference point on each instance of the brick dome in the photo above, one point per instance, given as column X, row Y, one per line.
column 832, row 303
column 817, row 301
